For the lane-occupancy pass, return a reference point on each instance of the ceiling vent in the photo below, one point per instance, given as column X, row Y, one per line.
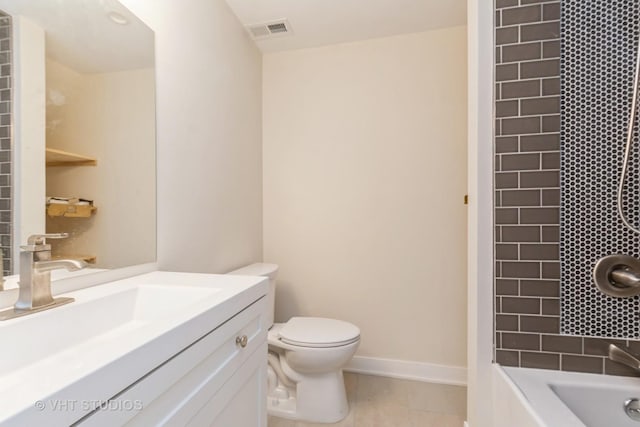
column 271, row 29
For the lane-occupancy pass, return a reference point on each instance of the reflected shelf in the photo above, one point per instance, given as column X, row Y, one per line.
column 55, row 157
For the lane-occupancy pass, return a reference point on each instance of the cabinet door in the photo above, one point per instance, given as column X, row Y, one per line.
column 176, row 391
column 242, row 402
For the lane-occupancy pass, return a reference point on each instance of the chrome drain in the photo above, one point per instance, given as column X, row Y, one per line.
column 632, row 408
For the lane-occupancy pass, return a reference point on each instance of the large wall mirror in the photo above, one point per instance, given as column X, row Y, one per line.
column 77, row 131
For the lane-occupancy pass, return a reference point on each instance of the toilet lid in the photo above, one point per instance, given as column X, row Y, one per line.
column 318, row 332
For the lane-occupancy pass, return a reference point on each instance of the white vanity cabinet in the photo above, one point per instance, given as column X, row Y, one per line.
column 219, row 380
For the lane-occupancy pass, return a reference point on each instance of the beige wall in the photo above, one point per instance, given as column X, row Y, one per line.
column 209, row 135
column 111, row 117
column 364, row 178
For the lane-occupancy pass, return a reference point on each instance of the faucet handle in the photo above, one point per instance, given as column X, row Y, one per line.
column 37, row 242
column 39, row 239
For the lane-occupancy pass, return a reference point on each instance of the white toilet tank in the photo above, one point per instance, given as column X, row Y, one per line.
column 266, row 270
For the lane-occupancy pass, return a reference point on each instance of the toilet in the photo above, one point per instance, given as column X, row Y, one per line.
column 306, row 357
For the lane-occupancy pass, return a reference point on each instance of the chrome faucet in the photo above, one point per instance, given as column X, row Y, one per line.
column 34, row 292
column 624, row 355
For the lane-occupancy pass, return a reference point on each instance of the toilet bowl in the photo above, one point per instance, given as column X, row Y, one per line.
column 306, row 357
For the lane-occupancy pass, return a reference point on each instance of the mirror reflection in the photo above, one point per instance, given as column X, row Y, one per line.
column 83, row 146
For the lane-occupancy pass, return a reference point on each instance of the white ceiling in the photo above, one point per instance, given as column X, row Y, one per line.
column 80, row 35
column 323, row 22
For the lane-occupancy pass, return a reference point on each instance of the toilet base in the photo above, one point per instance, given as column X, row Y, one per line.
column 317, row 398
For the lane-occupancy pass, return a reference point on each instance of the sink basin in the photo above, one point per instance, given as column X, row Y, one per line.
column 92, row 319
column 111, row 336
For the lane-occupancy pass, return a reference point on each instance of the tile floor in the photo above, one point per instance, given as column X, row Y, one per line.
column 386, row 402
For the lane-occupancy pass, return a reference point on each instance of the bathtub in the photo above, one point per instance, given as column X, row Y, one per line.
column 543, row 398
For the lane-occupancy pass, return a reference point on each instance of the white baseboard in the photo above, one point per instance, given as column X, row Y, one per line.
column 427, row 372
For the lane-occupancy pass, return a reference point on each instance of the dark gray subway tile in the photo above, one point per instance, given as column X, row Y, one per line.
column 498, row 91
column 520, row 198
column 507, row 322
column 543, row 142
column 551, row 197
column 506, row 251
column 524, row 2
column 540, row 216
column 551, row 306
column 545, row 179
column 498, row 342
column 506, row 3
column 519, row 162
column 517, row 126
column 520, row 52
column 539, row 360
column 551, row 49
column 507, row 108
column 551, row 160
column 498, row 20
column 520, row 89
column 506, row 180
column 506, row 144
column 539, row 106
column 507, row 72
column 518, row 341
column 634, row 345
column 506, row 287
column 498, row 305
column 541, row 31
column 540, row 288
column 521, row 269
column 507, row 35
column 506, row 216
column 551, row 123
column 520, row 233
column 551, row 11
column 541, row 324
column 551, row 86
column 498, row 57
column 534, row 69
column 551, row 270
column 588, row 364
column 562, row 344
column 508, row 358
column 521, row 15
column 539, row 252
column 550, row 234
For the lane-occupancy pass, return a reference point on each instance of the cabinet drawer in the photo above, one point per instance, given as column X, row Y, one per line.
column 176, row 390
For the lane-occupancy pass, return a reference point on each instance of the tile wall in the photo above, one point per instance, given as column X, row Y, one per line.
column 527, row 198
column 5, row 142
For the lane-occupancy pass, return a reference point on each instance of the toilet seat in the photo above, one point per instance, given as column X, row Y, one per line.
column 318, row 332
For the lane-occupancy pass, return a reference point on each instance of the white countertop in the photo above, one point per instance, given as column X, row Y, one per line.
column 98, row 366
